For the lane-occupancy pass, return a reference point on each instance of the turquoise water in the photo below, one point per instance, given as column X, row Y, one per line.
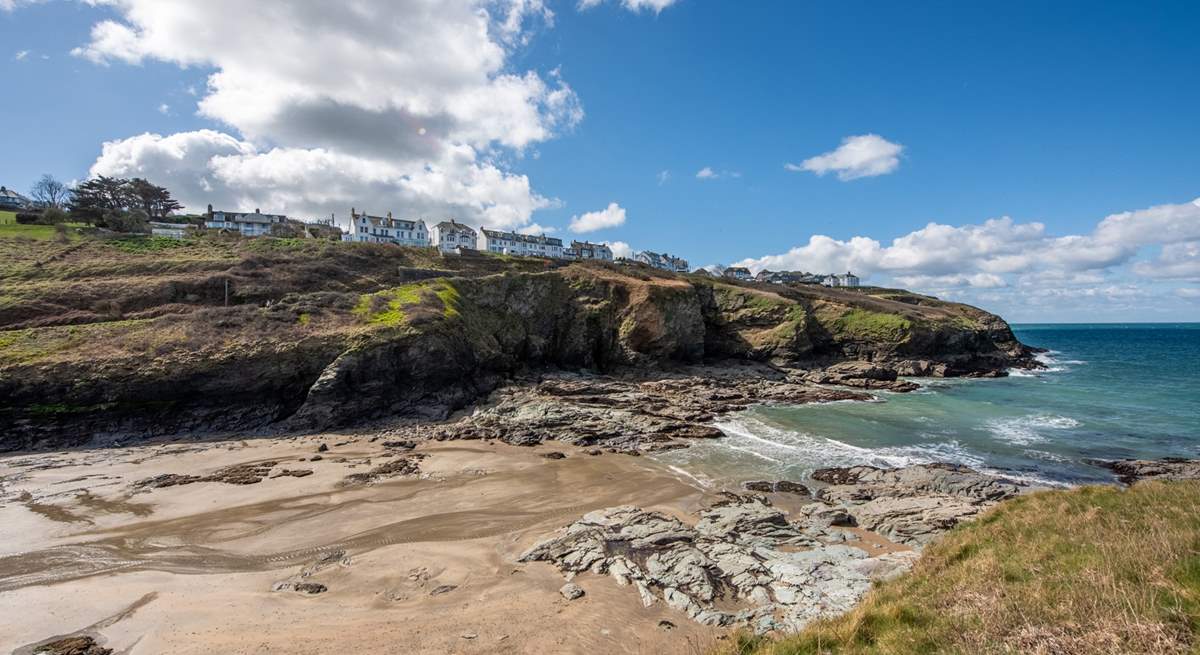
column 1110, row 391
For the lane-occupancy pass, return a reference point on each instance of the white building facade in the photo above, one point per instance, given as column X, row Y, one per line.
column 249, row 224
column 450, row 236
column 847, row 280
column 588, row 250
column 662, row 261
column 523, row 245
column 385, row 229
column 738, row 273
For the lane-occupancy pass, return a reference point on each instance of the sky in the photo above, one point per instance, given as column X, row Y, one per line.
column 1038, row 159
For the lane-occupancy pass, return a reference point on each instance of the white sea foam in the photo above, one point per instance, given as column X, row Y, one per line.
column 1024, row 430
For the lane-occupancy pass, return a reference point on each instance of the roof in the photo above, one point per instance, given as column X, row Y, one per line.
column 526, row 238
column 588, row 244
column 737, row 269
column 6, row 192
column 251, row 217
column 451, row 225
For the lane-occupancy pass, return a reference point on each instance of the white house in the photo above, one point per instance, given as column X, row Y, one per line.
column 385, row 229
column 847, row 280
column 11, row 200
column 449, row 236
column 664, row 261
column 588, row 250
column 250, row 224
column 738, row 273
column 525, row 245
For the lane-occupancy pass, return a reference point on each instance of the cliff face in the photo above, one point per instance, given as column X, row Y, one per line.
column 377, row 347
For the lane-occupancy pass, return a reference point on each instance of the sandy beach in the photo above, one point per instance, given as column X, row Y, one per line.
column 423, row 563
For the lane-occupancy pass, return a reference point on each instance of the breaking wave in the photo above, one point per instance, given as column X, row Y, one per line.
column 1026, row 430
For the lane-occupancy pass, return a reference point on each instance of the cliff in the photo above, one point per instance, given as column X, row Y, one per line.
column 134, row 337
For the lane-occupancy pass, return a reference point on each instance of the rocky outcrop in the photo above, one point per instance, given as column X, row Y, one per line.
column 909, row 505
column 1130, row 471
column 742, row 562
column 72, row 646
column 864, row 375
column 428, row 348
column 630, row 413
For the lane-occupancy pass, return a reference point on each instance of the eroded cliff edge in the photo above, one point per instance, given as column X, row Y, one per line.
column 106, row 339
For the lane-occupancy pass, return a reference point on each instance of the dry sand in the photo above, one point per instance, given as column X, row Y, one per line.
column 412, row 564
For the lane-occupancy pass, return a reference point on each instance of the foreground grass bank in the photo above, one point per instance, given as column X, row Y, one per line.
column 1091, row 570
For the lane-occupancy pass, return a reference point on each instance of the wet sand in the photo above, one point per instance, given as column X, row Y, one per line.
column 412, row 564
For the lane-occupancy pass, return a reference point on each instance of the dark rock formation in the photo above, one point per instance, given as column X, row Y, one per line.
column 72, row 646
column 1130, row 471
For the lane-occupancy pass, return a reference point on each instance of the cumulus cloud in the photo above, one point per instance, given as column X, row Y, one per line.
column 707, row 173
column 1001, row 252
column 632, row 5
column 866, row 155
column 619, row 248
column 611, row 216
column 664, row 176
column 21, row 55
column 397, row 105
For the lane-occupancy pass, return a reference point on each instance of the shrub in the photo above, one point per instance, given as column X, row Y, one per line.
column 29, row 218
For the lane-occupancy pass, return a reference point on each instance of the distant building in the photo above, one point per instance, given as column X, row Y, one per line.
column 450, row 236
column 847, row 280
column 11, row 200
column 172, row 230
column 250, row 224
column 738, row 273
column 385, row 229
column 524, row 245
column 588, row 250
column 788, row 277
column 664, row 261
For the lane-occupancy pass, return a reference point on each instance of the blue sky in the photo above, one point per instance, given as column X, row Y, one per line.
column 1059, row 114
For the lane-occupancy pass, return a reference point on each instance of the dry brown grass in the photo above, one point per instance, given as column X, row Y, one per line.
column 1096, row 570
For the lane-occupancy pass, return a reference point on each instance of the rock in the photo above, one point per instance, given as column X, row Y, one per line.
column 443, row 589
column 909, row 505
column 251, row 473
column 571, row 591
column 311, row 588
column 315, row 458
column 782, row 486
column 666, row 625
column 295, row 473
column 1130, row 471
column 72, row 646
column 741, row 551
column 469, row 635
column 407, row 465
column 322, row 448
column 593, row 452
column 402, row 445
column 554, row 455
column 864, row 375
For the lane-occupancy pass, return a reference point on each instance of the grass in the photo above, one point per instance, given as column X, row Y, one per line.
column 396, row 307
column 865, row 324
column 8, row 218
column 1089, row 570
column 146, row 244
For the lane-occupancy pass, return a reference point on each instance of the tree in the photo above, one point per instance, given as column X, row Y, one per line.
column 156, row 201
column 95, row 197
column 49, row 192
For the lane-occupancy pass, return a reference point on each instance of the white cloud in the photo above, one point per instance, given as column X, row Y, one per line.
column 664, row 176
column 611, row 216
column 535, row 228
column 707, row 173
column 632, row 5
column 21, row 55
column 619, row 248
column 1001, row 252
column 866, row 155
column 1188, row 293
column 343, row 105
column 164, row 109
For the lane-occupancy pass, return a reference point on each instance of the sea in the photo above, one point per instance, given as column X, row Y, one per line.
column 1109, row 391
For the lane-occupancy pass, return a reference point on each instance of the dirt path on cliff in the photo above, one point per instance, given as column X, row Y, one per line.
column 416, row 564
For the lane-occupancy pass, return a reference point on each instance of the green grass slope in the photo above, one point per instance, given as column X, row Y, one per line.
column 1090, row 570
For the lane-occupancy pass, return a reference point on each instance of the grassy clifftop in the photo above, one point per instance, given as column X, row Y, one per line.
column 1090, row 570
column 143, row 334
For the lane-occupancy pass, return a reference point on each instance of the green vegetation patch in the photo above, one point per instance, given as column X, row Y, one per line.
column 866, row 324
column 397, row 306
column 8, row 218
column 1090, row 570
